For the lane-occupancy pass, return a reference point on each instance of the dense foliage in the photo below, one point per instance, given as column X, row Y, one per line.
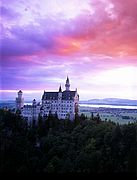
column 64, row 146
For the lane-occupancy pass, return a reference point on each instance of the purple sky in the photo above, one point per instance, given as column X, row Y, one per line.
column 94, row 42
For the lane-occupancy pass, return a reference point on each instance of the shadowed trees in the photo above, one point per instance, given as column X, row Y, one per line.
column 63, row 146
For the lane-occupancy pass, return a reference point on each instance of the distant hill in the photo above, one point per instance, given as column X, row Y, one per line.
column 9, row 103
column 111, row 101
column 106, row 101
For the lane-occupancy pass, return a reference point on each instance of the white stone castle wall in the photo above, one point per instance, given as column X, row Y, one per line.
column 62, row 107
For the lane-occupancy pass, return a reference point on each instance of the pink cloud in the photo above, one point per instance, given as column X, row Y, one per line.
column 106, row 35
column 43, row 51
column 110, row 30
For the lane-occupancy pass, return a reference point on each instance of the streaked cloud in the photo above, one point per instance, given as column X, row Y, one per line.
column 91, row 40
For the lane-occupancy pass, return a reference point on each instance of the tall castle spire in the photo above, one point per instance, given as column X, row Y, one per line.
column 67, row 85
column 60, row 90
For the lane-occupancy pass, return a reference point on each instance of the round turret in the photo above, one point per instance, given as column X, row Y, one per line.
column 19, row 100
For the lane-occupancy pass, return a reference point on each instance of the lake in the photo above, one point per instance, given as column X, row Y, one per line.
column 100, row 106
column 107, row 106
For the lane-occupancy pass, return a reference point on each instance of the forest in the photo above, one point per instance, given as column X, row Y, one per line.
column 85, row 145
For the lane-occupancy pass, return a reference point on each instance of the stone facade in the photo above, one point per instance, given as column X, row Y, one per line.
column 31, row 112
column 62, row 103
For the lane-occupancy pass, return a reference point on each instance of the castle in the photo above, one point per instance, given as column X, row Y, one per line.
column 62, row 103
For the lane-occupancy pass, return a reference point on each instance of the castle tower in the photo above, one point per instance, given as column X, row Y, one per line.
column 60, row 93
column 34, row 104
column 67, row 85
column 59, row 101
column 76, row 102
column 60, row 89
column 19, row 100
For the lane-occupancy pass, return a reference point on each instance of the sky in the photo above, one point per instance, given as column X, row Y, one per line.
column 94, row 42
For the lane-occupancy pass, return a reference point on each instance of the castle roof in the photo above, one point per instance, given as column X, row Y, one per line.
column 67, row 81
column 28, row 106
column 50, row 96
column 66, row 95
column 60, row 90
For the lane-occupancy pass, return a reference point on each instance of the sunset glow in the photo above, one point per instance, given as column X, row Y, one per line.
column 94, row 42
